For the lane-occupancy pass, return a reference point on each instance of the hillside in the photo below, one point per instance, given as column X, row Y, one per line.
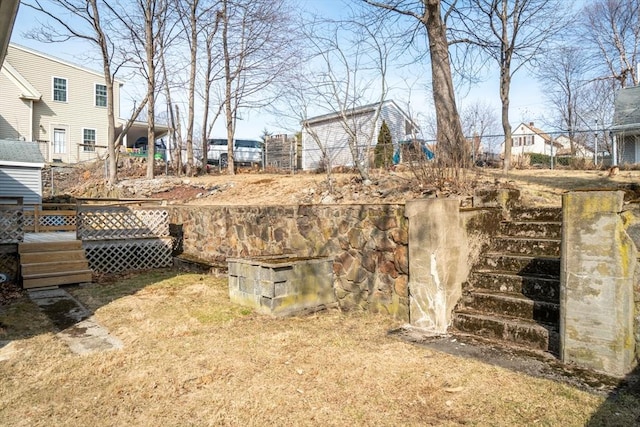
column 249, row 186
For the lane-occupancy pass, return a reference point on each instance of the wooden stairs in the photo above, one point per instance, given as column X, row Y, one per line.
column 47, row 264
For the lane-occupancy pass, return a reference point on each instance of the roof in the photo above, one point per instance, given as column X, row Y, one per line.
column 547, row 139
column 61, row 61
column 627, row 109
column 8, row 12
column 27, row 91
column 369, row 108
column 20, row 153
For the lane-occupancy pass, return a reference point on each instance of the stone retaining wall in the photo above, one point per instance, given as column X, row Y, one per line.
column 368, row 243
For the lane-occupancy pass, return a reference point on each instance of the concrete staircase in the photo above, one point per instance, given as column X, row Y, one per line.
column 512, row 295
column 47, row 264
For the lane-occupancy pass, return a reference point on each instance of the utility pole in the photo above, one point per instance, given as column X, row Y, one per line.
column 595, row 146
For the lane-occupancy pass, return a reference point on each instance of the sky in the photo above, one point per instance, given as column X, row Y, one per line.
column 527, row 103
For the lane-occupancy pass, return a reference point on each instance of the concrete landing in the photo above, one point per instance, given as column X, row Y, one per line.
column 78, row 328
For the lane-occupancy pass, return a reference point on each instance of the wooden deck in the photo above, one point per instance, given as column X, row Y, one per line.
column 57, row 236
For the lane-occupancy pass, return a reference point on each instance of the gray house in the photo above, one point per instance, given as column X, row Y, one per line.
column 325, row 138
column 626, row 124
column 21, row 171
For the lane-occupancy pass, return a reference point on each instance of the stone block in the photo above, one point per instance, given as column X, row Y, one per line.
column 282, row 285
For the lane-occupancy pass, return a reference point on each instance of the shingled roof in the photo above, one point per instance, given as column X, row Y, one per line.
column 627, row 109
column 20, row 152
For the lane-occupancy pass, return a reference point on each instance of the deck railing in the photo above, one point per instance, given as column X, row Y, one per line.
column 49, row 217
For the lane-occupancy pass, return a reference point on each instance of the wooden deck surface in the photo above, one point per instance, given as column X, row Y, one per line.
column 58, row 236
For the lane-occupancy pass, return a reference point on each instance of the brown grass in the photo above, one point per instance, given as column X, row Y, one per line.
column 191, row 357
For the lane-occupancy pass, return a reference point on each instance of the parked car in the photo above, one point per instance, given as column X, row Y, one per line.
column 141, row 144
column 245, row 152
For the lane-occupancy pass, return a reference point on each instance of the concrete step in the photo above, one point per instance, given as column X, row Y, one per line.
column 511, row 305
column 526, row 246
column 536, row 229
column 541, row 266
column 536, row 214
column 517, row 332
column 534, row 287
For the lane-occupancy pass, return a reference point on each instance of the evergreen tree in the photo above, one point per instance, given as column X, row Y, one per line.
column 384, row 148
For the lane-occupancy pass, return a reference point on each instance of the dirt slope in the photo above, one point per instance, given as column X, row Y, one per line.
column 249, row 187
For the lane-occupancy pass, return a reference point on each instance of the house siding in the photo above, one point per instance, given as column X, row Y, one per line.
column 14, row 112
column 628, row 150
column 21, row 181
column 74, row 115
column 333, row 136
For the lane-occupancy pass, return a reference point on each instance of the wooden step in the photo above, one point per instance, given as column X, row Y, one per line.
column 45, row 257
column 65, row 245
column 45, row 264
column 516, row 332
column 61, row 278
column 54, row 267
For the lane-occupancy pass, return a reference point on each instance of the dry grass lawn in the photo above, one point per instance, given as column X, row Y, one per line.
column 191, row 357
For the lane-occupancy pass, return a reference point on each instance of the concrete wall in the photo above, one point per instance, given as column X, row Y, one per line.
column 444, row 243
column 597, row 283
column 368, row 243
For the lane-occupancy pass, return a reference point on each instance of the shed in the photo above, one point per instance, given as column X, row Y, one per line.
column 21, row 166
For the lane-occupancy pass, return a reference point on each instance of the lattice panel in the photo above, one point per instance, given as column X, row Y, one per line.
column 112, row 257
column 51, row 220
column 9, row 265
column 102, row 223
column 11, row 225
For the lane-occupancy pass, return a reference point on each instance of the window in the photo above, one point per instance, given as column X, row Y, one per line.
column 59, row 89
column 101, row 95
column 89, row 139
column 59, row 141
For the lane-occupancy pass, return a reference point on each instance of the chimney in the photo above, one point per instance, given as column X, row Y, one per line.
column 531, row 124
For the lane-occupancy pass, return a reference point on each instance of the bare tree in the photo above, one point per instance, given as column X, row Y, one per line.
column 480, row 125
column 142, row 28
column 431, row 18
column 258, row 43
column 563, row 77
column 347, row 70
column 611, row 35
column 210, row 32
column 194, row 16
column 82, row 20
column 511, row 33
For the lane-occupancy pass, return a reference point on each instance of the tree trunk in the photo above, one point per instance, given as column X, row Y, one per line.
column 192, row 85
column 151, row 88
column 449, row 136
column 505, row 83
column 230, row 110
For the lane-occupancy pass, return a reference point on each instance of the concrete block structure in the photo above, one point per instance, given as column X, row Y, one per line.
column 597, row 284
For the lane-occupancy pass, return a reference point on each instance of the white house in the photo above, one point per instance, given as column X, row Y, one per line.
column 580, row 150
column 327, row 133
column 526, row 138
column 626, row 124
column 60, row 105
